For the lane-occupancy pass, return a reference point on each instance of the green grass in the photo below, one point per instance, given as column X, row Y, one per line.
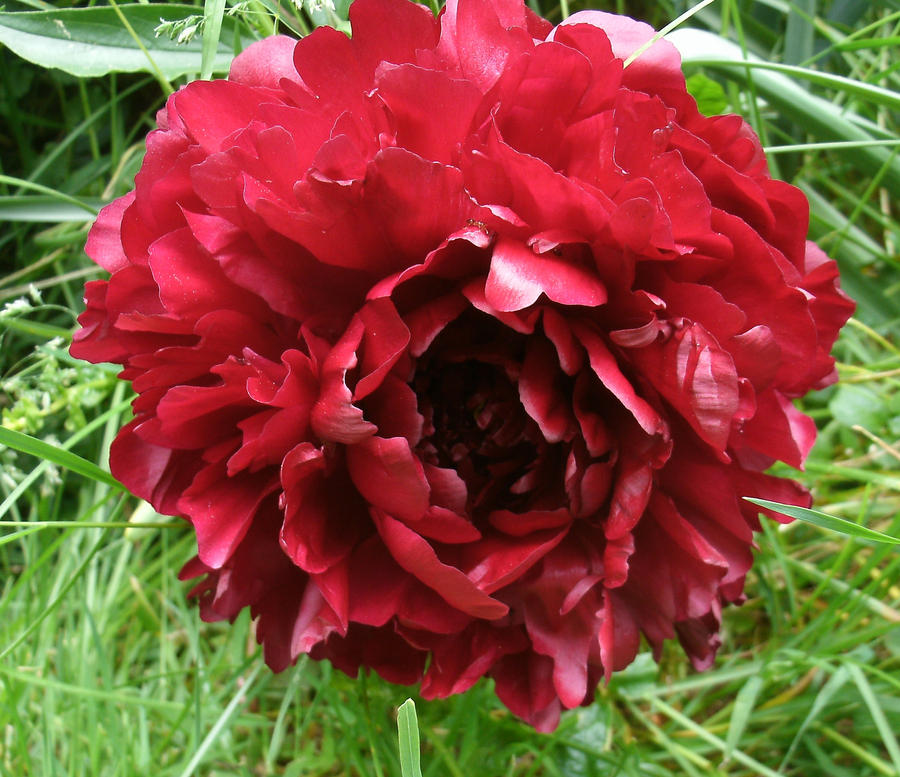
column 106, row 669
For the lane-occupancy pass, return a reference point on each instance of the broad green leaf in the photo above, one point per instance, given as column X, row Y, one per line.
column 408, row 732
column 43, row 450
column 825, row 521
column 94, row 41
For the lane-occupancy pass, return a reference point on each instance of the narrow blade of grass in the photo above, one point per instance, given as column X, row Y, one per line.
column 223, row 720
column 408, row 734
column 213, row 12
column 823, row 697
column 44, row 450
column 878, row 716
column 825, row 521
column 43, row 208
column 744, row 703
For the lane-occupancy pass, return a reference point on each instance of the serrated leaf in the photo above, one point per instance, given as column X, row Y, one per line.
column 94, row 41
column 825, row 521
column 408, row 733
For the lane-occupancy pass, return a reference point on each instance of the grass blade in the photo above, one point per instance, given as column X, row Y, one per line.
column 43, row 208
column 817, row 116
column 878, row 716
column 66, row 459
column 408, row 733
column 825, row 521
column 740, row 715
column 213, row 12
column 800, row 33
column 823, row 697
column 223, row 720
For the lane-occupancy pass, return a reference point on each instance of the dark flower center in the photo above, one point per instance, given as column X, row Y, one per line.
column 475, row 423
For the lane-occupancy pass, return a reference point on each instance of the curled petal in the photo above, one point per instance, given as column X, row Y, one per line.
column 415, row 555
column 389, row 476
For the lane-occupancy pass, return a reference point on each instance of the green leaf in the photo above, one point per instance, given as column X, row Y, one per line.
column 709, row 94
column 825, row 521
column 858, row 405
column 43, row 450
column 820, row 117
column 34, row 328
column 94, row 41
column 44, row 208
column 799, row 34
column 820, row 703
column 744, row 703
column 213, row 11
column 885, row 729
column 408, row 730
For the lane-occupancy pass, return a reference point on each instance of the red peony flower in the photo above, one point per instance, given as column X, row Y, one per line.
column 458, row 342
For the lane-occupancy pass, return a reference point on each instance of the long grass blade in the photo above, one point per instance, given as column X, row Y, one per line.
column 825, row 521
column 408, row 735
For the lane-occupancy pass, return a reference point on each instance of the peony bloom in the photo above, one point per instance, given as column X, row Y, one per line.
column 458, row 342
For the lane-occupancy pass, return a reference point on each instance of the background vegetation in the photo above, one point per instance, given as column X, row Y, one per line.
column 105, row 668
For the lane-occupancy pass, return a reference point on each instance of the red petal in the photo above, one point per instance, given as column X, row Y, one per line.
column 656, row 69
column 222, row 509
column 543, row 394
column 604, row 366
column 322, row 516
column 778, row 429
column 433, row 111
column 523, row 524
column 393, row 408
column 524, row 683
column 475, row 39
column 418, row 558
column 447, row 526
column 390, row 31
column 619, row 634
column 334, row 417
column 693, row 373
column 104, row 243
column 385, row 338
column 518, row 276
column 213, row 111
column 159, row 475
column 389, row 476
column 265, row 62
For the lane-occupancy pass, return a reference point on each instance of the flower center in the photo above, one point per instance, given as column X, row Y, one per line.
column 475, row 423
